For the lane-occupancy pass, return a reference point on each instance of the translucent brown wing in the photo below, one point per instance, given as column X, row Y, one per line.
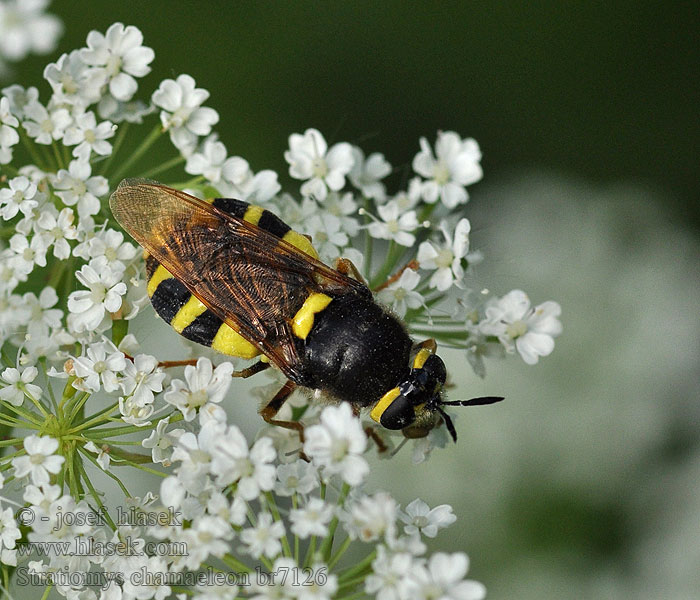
column 252, row 280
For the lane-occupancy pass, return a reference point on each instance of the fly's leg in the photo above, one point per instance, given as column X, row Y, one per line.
column 251, row 370
column 374, row 436
column 269, row 412
column 413, row 264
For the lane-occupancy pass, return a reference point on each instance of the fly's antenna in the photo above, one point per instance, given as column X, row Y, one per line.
column 484, row 400
column 448, row 423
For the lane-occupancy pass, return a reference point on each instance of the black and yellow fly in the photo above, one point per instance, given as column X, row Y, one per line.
column 235, row 277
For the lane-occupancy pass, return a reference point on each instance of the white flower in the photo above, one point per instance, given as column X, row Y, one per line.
column 131, row 111
column 18, row 385
column 408, row 199
column 366, row 175
column 116, row 57
column 392, row 226
column 9, row 532
column 104, row 295
column 391, row 576
column 41, row 317
column 183, row 114
column 45, row 126
column 8, row 130
column 264, row 538
column 208, row 161
column 56, row 229
column 28, row 254
column 142, row 378
column 25, row 28
column 337, row 444
column 40, row 459
column 110, row 244
column 20, row 98
column 372, row 517
column 298, row 477
column 342, row 206
column 400, row 294
column 446, row 260
column 252, row 470
column 99, row 366
column 309, row 158
column 326, row 233
column 203, row 384
column 134, row 413
column 10, row 276
column 207, row 536
column 321, row 584
column 530, row 330
column 160, row 443
column 311, row 519
column 89, row 136
column 420, row 518
column 103, row 459
column 443, row 577
column 456, row 165
column 240, row 181
column 69, row 80
column 76, row 186
column 19, row 196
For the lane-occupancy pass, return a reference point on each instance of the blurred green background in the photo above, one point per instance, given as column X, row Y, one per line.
column 585, row 482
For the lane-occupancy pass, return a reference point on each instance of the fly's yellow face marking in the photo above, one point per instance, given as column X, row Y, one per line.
column 187, row 314
column 421, row 357
column 303, row 321
column 384, row 403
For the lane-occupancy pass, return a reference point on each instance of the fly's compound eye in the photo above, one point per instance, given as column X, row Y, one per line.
column 435, row 368
column 394, row 410
column 399, row 414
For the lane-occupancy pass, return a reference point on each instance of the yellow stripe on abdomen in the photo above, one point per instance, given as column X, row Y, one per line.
column 253, row 214
column 228, row 341
column 300, row 241
column 160, row 275
column 187, row 314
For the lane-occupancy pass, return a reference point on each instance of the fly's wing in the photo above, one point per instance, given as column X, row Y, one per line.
column 249, row 278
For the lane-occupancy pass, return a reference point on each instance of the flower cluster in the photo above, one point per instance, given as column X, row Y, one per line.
column 77, row 393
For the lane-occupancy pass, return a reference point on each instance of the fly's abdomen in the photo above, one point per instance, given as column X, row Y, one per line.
column 176, row 305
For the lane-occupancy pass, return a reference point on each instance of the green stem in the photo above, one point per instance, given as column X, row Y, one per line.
column 236, row 564
column 47, row 591
column 295, row 504
column 138, row 153
column 327, row 545
column 96, row 496
column 57, row 156
column 118, row 141
column 168, row 164
column 359, row 568
column 394, row 252
column 338, row 555
column 93, row 460
column 276, row 516
column 31, row 148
